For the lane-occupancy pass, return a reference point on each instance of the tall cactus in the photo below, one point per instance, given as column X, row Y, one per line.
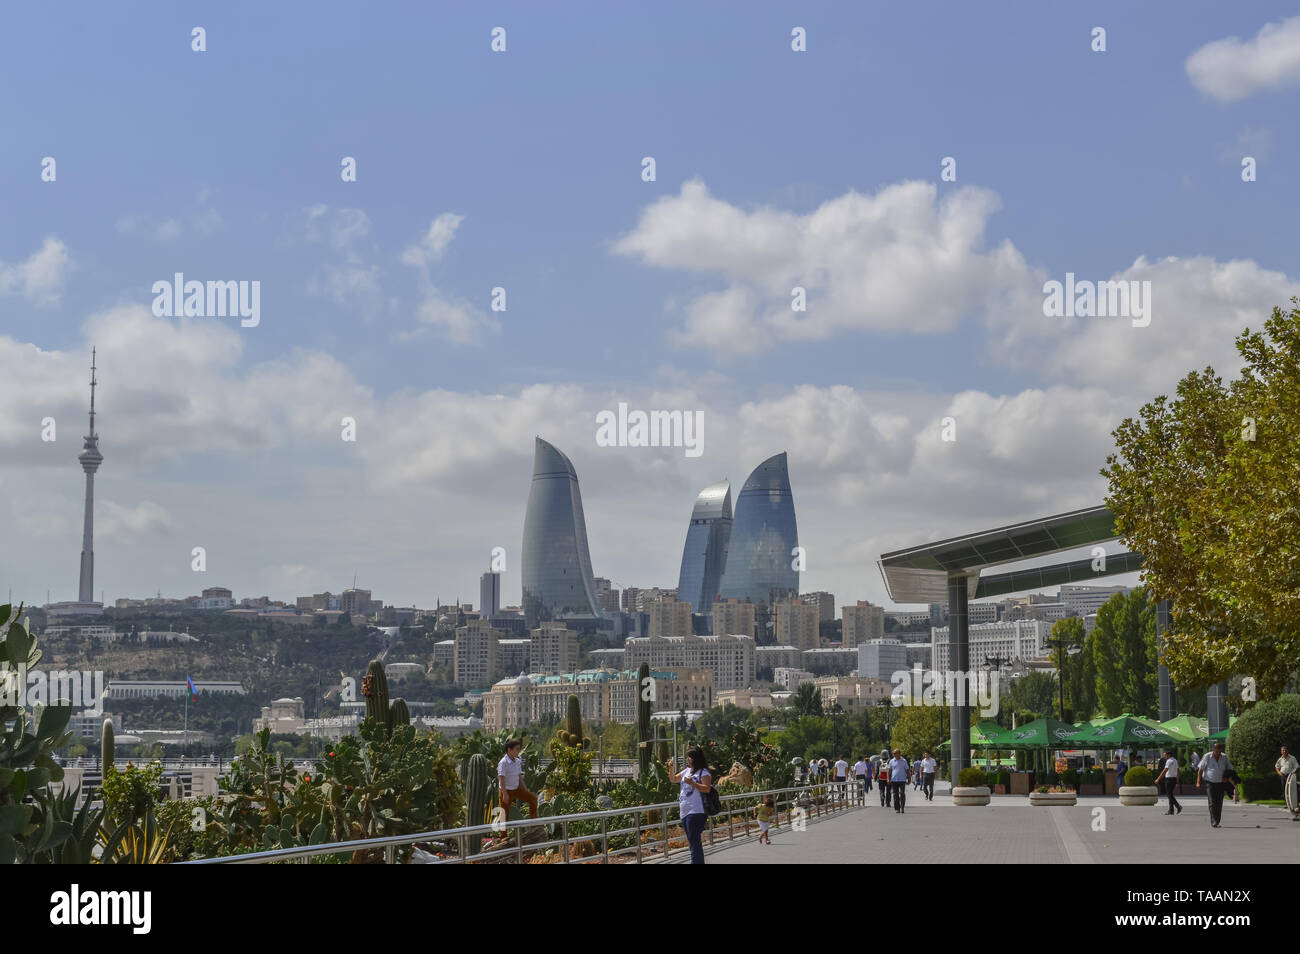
column 663, row 751
column 476, row 773
column 399, row 714
column 375, row 688
column 571, row 734
column 644, row 706
column 106, row 752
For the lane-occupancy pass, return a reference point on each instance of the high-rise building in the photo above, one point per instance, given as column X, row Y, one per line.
column 630, row 595
column 797, row 624
column 764, row 535
column 825, row 604
column 477, row 659
column 555, row 561
column 489, row 594
column 704, row 556
column 1008, row 640
column 554, row 648
column 861, row 623
column 606, row 596
column 733, row 617
column 729, row 658
column 669, row 617
column 881, row 658
column 1086, row 600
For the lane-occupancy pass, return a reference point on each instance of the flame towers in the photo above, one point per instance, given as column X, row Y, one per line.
column 760, row 561
column 705, row 555
column 555, row 563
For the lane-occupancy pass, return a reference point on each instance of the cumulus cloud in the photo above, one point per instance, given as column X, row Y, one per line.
column 1231, row 69
column 353, row 279
column 40, row 278
column 440, row 314
column 901, row 260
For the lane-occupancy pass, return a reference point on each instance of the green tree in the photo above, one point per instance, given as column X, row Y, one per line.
column 917, row 729
column 1066, row 636
column 1124, row 653
column 807, row 700
column 1203, row 486
column 1032, row 695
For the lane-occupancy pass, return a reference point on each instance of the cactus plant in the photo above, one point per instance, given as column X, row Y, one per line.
column 399, row 714
column 644, row 706
column 106, row 751
column 663, row 751
column 476, row 773
column 375, row 688
column 571, row 734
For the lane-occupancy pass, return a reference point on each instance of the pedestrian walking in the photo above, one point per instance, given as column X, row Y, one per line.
column 862, row 772
column 916, row 775
column 695, row 780
column 766, row 816
column 1213, row 769
column 842, row 778
column 1287, row 768
column 899, row 770
column 928, row 766
column 1169, row 778
column 882, row 778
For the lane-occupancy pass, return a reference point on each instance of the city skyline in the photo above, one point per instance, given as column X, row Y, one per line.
column 924, row 295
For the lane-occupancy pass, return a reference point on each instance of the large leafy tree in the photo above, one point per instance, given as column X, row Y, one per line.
column 1124, row 654
column 1204, row 487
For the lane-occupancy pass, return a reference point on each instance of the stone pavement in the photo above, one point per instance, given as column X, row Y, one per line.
column 1011, row 831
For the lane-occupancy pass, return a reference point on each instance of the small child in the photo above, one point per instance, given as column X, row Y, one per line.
column 766, row 815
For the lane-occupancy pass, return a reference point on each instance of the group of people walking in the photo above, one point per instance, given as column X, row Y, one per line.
column 891, row 772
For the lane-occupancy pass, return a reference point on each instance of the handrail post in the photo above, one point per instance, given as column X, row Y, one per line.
column 637, row 821
column 604, row 838
column 519, row 845
column 566, row 841
column 462, row 844
column 665, row 843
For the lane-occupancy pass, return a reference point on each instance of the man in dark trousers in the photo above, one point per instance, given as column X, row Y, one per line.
column 1212, row 770
column 900, row 770
column 1169, row 776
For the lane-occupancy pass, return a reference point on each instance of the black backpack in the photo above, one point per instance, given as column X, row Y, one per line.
column 712, row 802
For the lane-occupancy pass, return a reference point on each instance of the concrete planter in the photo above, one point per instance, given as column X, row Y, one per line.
column 978, row 795
column 1052, row 798
column 1138, row 795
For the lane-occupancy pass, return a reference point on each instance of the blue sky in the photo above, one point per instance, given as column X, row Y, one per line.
column 211, row 163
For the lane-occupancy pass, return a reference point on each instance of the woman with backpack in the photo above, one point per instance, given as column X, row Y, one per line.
column 696, row 782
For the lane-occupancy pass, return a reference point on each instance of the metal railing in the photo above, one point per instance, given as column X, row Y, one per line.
column 655, row 834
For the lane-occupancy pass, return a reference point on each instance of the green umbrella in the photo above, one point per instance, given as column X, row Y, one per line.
column 1041, row 733
column 1187, row 728
column 1222, row 734
column 1122, row 732
column 983, row 735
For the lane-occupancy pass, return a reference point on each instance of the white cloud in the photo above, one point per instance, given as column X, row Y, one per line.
column 442, row 315
column 900, row 260
column 433, row 245
column 1232, row 68
column 40, row 278
column 131, row 523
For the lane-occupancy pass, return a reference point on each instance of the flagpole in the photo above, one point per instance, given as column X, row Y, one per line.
column 185, row 733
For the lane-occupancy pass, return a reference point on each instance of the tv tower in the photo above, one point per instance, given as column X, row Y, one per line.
column 90, row 459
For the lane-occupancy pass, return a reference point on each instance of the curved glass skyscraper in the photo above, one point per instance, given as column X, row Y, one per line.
column 705, row 554
column 762, row 536
column 555, row 563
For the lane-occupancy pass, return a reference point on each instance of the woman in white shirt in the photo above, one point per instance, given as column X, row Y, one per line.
column 695, row 779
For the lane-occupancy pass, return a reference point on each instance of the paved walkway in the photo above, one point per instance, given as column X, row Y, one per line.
column 1010, row 831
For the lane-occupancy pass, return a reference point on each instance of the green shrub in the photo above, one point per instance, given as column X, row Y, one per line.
column 1070, row 778
column 1260, row 731
column 971, row 778
column 1139, row 775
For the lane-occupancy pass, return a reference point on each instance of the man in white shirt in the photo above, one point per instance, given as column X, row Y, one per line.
column 899, row 770
column 928, row 766
column 841, row 777
column 1286, row 767
column 1169, row 776
column 862, row 772
column 510, row 781
column 1212, row 769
